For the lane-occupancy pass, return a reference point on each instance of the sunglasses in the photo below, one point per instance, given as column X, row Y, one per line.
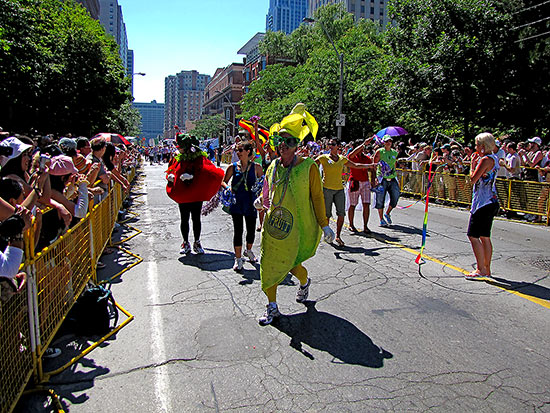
column 276, row 140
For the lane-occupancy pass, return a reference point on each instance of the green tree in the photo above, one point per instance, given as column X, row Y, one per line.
column 59, row 71
column 125, row 120
column 456, row 63
column 209, row 126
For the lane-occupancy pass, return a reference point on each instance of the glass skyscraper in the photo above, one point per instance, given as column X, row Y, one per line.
column 285, row 15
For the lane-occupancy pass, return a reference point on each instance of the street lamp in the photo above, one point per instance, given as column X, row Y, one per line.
column 341, row 120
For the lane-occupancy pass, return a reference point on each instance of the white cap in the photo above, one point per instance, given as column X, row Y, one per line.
column 536, row 140
column 17, row 146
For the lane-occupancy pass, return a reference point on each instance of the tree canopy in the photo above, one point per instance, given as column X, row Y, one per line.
column 452, row 66
column 59, row 71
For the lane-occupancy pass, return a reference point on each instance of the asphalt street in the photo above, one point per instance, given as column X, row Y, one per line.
column 380, row 333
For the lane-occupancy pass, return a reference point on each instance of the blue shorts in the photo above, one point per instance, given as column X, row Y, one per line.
column 391, row 187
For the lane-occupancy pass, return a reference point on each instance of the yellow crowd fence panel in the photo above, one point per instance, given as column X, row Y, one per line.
column 56, row 276
column 528, row 197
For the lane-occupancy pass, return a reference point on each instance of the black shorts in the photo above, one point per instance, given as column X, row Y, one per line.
column 481, row 221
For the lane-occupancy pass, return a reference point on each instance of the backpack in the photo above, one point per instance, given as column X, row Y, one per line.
column 92, row 312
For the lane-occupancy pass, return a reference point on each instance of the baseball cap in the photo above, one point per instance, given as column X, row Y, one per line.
column 67, row 143
column 387, row 138
column 16, row 145
column 536, row 140
column 62, row 165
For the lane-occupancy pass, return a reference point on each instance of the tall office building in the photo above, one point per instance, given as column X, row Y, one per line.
column 110, row 17
column 152, row 119
column 183, row 99
column 285, row 15
column 130, row 68
column 375, row 10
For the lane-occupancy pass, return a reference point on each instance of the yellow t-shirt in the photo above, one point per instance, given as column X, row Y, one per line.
column 332, row 171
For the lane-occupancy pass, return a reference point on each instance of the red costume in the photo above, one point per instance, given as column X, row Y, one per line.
column 206, row 181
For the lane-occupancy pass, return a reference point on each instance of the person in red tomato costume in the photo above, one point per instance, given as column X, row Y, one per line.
column 192, row 179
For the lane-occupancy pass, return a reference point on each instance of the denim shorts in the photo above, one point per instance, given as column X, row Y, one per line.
column 390, row 187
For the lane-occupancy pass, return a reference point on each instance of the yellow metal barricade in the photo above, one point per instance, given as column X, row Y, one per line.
column 16, row 356
column 527, row 197
column 62, row 271
column 57, row 275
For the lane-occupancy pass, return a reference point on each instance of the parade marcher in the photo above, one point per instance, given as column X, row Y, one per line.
column 333, row 188
column 485, row 205
column 293, row 196
column 192, row 179
column 360, row 185
column 243, row 176
column 386, row 158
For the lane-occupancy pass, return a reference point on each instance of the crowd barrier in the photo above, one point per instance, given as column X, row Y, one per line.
column 56, row 276
column 526, row 197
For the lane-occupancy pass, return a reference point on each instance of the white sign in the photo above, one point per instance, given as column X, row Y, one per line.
column 341, row 120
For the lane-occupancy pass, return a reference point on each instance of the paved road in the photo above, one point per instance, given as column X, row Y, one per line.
column 379, row 334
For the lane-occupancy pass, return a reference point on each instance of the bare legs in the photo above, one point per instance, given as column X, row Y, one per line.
column 483, row 252
column 381, row 212
column 366, row 214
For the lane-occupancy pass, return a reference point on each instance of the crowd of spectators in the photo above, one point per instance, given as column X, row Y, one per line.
column 526, row 160
column 49, row 184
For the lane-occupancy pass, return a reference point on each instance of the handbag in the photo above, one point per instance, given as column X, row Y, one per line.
column 234, row 188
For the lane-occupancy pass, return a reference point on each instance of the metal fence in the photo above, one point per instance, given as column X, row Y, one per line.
column 55, row 278
column 526, row 197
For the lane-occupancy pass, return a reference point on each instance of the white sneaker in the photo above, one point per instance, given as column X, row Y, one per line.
column 238, row 266
column 271, row 312
column 303, row 292
column 197, row 248
column 250, row 255
column 185, row 248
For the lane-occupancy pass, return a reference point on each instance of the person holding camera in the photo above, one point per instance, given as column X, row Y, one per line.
column 11, row 253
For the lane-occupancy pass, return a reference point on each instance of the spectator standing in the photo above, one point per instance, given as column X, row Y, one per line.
column 99, row 146
column 532, row 158
column 512, row 162
column 484, row 203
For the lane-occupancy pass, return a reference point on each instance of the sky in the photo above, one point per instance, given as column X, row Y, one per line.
column 168, row 36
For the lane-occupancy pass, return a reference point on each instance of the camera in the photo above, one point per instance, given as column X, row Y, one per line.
column 6, row 150
column 11, row 227
column 42, row 162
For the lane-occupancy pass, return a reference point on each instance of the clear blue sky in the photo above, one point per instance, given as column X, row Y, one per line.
column 169, row 36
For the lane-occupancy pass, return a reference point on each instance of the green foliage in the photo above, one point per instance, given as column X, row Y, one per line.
column 456, row 67
column 126, row 120
column 209, row 126
column 60, row 72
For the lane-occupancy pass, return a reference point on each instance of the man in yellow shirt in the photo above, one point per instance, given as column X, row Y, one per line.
column 333, row 188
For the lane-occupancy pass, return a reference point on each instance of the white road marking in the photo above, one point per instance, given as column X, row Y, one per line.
column 162, row 384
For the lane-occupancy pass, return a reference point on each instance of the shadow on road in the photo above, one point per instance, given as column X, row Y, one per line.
column 211, row 260
column 75, row 379
column 530, row 289
column 332, row 334
column 407, row 229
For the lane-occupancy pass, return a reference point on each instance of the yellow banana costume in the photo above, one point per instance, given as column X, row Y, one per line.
column 292, row 226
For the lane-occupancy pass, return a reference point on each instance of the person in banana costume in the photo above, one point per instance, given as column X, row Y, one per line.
column 295, row 211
